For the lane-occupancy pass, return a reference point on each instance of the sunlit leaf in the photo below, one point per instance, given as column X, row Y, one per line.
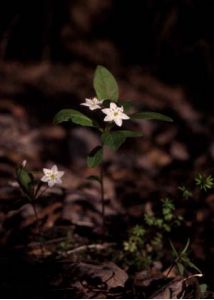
column 105, row 84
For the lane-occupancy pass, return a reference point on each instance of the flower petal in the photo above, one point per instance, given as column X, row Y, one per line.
column 45, row 178
column 125, row 117
column 108, row 118
column 51, row 183
column 58, row 181
column 54, row 168
column 60, row 173
column 118, row 121
column 113, row 105
column 46, row 171
column 106, row 111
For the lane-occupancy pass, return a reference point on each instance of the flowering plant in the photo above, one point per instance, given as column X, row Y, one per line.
column 32, row 188
column 113, row 112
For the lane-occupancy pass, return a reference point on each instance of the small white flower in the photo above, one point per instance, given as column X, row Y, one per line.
column 52, row 176
column 93, row 103
column 24, row 163
column 115, row 114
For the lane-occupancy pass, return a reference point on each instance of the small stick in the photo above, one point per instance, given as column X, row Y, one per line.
column 87, row 247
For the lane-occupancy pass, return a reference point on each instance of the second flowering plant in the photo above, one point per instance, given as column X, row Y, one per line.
column 110, row 114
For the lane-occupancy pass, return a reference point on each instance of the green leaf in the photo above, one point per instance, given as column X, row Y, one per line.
column 149, row 115
column 116, row 138
column 95, row 157
column 174, row 251
column 74, row 116
column 185, row 247
column 25, row 180
column 203, row 289
column 181, row 268
column 105, row 84
column 187, row 261
column 94, row 178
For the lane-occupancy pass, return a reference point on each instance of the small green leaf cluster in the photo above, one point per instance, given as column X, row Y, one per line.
column 167, row 219
column 182, row 259
column 145, row 241
column 204, row 182
column 136, row 249
column 186, row 193
column 136, row 239
column 107, row 93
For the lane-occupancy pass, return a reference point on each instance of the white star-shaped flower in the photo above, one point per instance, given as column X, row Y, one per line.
column 115, row 114
column 93, row 103
column 52, row 176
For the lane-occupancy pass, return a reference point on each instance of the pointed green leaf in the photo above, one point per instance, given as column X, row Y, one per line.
column 25, row 180
column 187, row 261
column 174, row 251
column 149, row 115
column 105, row 84
column 95, row 157
column 116, row 138
column 181, row 268
column 186, row 247
column 74, row 116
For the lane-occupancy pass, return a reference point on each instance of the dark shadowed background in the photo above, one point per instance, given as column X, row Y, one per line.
column 161, row 52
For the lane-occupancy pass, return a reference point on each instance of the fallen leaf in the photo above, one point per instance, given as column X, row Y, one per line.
column 172, row 290
column 107, row 273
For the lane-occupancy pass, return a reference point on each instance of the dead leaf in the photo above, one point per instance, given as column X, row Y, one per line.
column 107, row 273
column 173, row 290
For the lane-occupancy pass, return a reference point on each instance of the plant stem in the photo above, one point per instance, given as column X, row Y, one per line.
column 42, row 246
column 102, row 197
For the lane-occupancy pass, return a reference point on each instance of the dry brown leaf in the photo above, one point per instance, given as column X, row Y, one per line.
column 108, row 273
column 173, row 290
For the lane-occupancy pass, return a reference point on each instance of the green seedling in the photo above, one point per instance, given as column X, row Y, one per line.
column 204, row 182
column 182, row 260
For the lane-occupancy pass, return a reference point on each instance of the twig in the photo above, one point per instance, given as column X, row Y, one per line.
column 89, row 247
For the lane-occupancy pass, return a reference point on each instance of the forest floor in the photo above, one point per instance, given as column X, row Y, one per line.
column 79, row 260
